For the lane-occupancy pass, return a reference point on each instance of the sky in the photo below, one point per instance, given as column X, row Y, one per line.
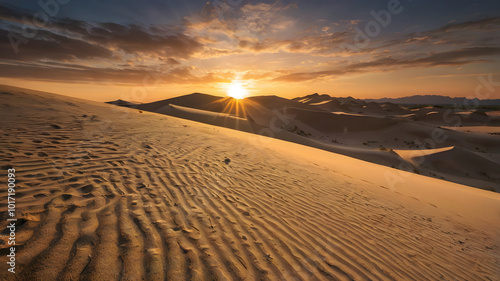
column 150, row 50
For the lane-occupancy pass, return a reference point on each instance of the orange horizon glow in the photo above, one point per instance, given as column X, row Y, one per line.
column 400, row 84
column 254, row 49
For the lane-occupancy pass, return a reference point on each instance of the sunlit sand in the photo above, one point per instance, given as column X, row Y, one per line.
column 114, row 193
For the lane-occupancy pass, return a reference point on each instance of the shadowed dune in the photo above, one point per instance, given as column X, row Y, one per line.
column 456, row 161
column 364, row 130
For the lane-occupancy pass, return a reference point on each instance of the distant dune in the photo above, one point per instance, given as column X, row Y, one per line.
column 113, row 193
column 124, row 103
column 368, row 131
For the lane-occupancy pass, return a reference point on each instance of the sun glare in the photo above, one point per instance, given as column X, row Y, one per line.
column 237, row 91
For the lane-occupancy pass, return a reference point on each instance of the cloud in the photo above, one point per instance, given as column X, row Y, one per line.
column 66, row 49
column 481, row 31
column 455, row 57
column 135, row 39
column 134, row 76
column 491, row 23
column 317, row 44
column 73, row 74
column 172, row 61
column 331, row 39
column 59, row 37
column 238, row 29
column 449, row 58
column 264, row 28
column 258, row 75
column 51, row 46
column 70, row 50
column 264, row 19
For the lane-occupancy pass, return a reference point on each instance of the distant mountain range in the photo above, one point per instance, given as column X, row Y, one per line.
column 436, row 100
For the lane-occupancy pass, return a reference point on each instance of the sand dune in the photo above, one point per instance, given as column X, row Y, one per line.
column 332, row 106
column 365, row 130
column 435, row 115
column 348, row 105
column 219, row 119
column 196, row 101
column 291, row 125
column 447, row 117
column 108, row 193
column 457, row 161
column 492, row 130
column 330, row 123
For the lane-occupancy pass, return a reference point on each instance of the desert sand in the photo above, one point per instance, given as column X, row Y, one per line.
column 384, row 134
column 113, row 193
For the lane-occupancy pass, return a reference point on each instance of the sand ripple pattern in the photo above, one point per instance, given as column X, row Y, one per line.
column 159, row 203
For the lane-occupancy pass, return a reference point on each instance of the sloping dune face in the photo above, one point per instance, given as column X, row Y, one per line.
column 330, row 122
column 456, row 160
column 108, row 193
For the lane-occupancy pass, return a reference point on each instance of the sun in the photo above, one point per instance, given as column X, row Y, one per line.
column 237, row 91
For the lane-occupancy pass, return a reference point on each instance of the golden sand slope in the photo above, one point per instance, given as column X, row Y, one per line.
column 107, row 194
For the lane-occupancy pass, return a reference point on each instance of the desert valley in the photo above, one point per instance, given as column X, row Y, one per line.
column 433, row 140
column 105, row 192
